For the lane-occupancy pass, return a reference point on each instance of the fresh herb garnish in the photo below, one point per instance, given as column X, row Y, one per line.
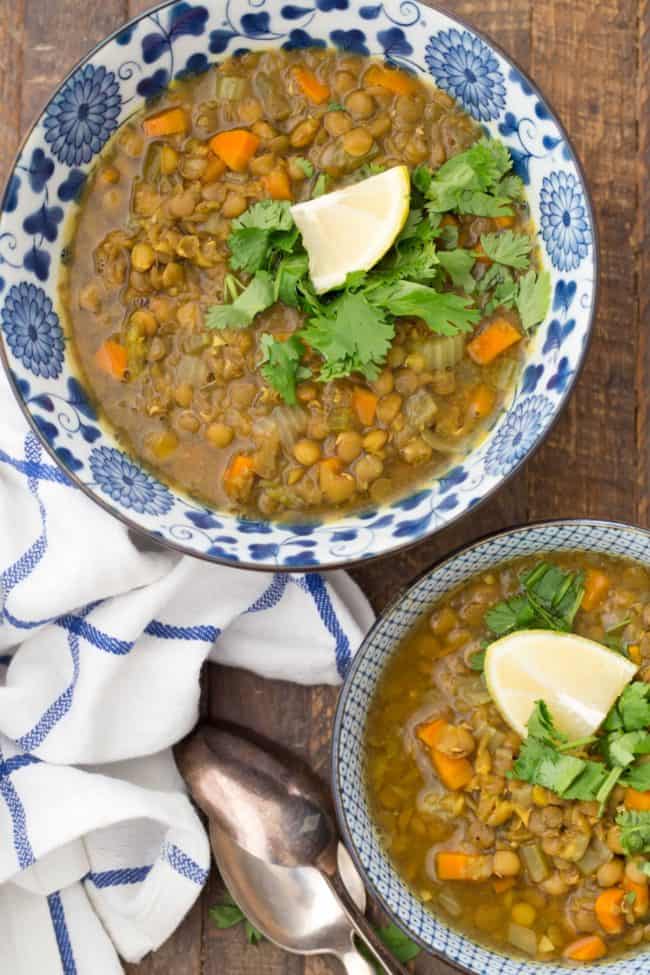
column 533, row 298
column 634, row 831
column 508, row 248
column 477, row 661
column 614, row 637
column 352, row 327
column 549, row 601
column 257, row 297
column 227, row 915
column 401, row 946
column 281, row 365
column 335, row 107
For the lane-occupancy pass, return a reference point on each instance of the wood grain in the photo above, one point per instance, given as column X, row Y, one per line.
column 593, row 62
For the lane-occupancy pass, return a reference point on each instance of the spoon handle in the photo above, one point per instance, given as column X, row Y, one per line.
column 365, row 931
column 356, row 964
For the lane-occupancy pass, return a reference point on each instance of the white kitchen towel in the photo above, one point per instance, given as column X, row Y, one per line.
column 101, row 645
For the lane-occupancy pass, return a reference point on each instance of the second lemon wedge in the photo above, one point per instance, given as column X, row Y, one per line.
column 351, row 229
column 577, row 678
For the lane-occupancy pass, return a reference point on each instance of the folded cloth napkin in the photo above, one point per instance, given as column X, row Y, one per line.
column 101, row 645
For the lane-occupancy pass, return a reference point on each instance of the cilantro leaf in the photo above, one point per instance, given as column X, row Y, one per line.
column 306, row 166
column 621, row 749
column 335, row 107
column 508, row 248
column 281, row 365
column 290, row 272
column 320, row 186
column 253, row 936
column 422, row 177
column 458, row 265
column 444, row 312
column 638, row 777
column 370, row 169
column 264, row 227
column 632, row 710
column 634, row 831
column 258, row 296
column 477, row 660
column 483, row 205
column 228, row 915
column 352, row 335
column 511, row 186
column 533, row 298
column 266, row 215
column 541, row 725
column 510, row 615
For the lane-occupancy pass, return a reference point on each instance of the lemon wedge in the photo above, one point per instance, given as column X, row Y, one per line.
column 351, row 229
column 579, row 679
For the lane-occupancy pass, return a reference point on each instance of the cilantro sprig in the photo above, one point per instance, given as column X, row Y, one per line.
column 549, row 600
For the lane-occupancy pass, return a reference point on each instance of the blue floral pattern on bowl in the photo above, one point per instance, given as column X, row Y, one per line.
column 83, row 115
column 463, row 65
column 182, row 37
column 349, row 729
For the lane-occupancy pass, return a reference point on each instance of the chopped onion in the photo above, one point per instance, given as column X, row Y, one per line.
column 522, row 938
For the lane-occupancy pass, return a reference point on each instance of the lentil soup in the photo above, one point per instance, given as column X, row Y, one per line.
column 153, row 252
column 518, row 866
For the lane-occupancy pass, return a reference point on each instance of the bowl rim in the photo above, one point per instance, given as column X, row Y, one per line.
column 518, row 529
column 399, row 547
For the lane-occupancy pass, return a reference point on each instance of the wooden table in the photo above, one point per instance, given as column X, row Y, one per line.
column 592, row 59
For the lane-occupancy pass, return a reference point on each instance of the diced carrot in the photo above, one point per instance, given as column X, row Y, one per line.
column 481, row 401
column 214, row 170
column 365, row 405
column 277, row 185
column 111, row 358
column 641, row 900
column 171, row 121
column 461, row 866
column 480, row 255
column 634, row 653
column 498, row 336
column 504, row 222
column 596, row 588
column 639, row 801
column 430, row 732
column 310, row 86
column 590, row 948
column 396, row 81
column 502, row 884
column 236, row 148
column 449, row 220
column 609, row 910
column 454, row 773
column 239, row 475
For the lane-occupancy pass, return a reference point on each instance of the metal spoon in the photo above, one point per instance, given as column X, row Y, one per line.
column 292, row 906
column 276, row 810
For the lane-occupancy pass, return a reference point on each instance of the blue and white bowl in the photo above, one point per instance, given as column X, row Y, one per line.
column 137, row 63
column 348, row 778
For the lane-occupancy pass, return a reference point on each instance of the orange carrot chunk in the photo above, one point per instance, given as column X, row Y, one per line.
column 238, row 477
column 310, row 86
column 396, row 81
column 214, row 169
column 236, row 148
column 481, row 402
column 462, row 866
column 277, row 185
column 502, row 884
column 504, row 222
column 454, row 773
column 640, row 801
column 172, row 121
column 364, row 403
column 498, row 336
column 112, row 359
column 590, row 948
column 596, row 588
column 641, row 900
column 609, row 910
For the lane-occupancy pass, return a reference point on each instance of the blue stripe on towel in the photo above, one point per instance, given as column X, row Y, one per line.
column 183, row 864
column 61, row 934
column 167, row 631
column 271, row 596
column 22, row 846
column 118, row 878
column 316, row 587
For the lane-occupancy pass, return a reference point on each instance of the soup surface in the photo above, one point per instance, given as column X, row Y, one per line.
column 251, row 417
column 455, row 792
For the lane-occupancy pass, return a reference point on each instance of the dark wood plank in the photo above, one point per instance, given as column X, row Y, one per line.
column 641, row 242
column 584, row 57
column 11, row 80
